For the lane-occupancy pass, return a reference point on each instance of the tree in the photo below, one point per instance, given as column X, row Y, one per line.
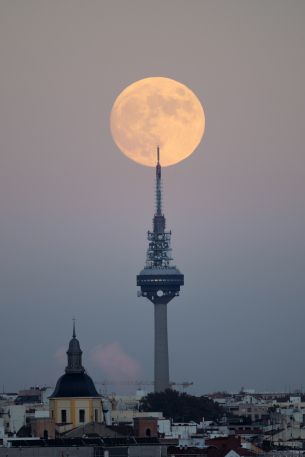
column 181, row 407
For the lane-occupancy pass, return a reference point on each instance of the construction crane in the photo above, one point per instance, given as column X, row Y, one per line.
column 140, row 384
column 184, row 384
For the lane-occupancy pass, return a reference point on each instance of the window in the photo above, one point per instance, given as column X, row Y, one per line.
column 96, row 415
column 148, row 432
column 63, row 416
column 81, row 415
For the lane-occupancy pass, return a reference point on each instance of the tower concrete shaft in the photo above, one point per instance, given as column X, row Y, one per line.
column 160, row 282
column 161, row 377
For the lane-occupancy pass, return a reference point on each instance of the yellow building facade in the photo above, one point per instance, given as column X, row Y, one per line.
column 76, row 411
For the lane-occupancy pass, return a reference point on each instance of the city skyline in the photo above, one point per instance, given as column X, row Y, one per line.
column 74, row 211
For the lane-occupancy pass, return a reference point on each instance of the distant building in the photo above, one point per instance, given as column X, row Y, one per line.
column 146, row 427
column 84, row 447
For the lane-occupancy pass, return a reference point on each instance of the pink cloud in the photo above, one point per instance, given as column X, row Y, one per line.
column 61, row 356
column 115, row 363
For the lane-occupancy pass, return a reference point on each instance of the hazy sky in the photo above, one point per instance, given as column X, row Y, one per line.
column 75, row 211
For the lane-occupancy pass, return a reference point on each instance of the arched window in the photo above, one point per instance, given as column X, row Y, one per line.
column 148, row 432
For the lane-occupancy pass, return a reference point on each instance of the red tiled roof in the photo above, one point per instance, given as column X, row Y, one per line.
column 219, row 447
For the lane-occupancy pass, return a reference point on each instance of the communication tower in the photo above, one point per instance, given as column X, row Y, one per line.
column 160, row 282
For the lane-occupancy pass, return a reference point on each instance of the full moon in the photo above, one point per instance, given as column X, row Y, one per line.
column 155, row 112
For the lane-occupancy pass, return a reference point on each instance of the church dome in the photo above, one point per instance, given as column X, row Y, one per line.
column 75, row 385
column 75, row 382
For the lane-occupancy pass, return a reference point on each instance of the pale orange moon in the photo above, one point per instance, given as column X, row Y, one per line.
column 155, row 112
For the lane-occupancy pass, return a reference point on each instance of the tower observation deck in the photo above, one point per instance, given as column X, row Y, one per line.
column 160, row 282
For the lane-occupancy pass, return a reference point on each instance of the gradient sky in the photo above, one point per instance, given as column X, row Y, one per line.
column 75, row 211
